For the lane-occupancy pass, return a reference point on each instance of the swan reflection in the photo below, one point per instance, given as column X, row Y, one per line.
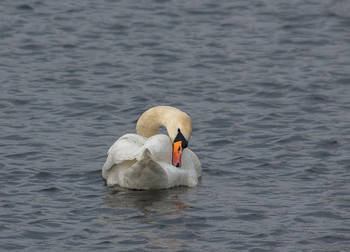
column 156, row 218
column 147, row 201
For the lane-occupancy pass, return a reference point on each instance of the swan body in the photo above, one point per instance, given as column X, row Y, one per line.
column 146, row 160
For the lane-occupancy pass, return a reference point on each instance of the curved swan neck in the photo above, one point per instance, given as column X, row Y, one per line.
column 169, row 117
column 149, row 122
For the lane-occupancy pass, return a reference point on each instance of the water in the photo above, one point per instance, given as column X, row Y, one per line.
column 267, row 86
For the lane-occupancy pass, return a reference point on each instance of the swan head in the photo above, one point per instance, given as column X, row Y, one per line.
column 179, row 130
column 177, row 123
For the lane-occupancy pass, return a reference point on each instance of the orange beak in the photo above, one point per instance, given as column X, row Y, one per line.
column 177, row 152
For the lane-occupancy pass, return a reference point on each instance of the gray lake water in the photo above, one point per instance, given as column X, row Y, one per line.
column 267, row 84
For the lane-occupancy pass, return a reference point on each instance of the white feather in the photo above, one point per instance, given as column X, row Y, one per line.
column 145, row 163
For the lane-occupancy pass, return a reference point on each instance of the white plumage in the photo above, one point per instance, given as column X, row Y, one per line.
column 139, row 162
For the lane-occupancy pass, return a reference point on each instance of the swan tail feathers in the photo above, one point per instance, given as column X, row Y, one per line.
column 146, row 174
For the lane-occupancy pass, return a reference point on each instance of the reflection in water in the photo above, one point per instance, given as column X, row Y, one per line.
column 162, row 209
column 270, row 108
column 146, row 201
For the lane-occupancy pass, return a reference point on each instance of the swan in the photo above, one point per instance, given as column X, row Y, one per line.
column 150, row 160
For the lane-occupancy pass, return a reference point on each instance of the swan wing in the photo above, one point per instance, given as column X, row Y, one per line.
column 150, row 174
column 127, row 147
column 145, row 174
column 160, row 148
column 139, row 163
column 196, row 163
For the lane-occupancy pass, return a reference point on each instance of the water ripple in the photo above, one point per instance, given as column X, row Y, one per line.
column 265, row 83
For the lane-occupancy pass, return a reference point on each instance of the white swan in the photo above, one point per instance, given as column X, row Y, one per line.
column 150, row 160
